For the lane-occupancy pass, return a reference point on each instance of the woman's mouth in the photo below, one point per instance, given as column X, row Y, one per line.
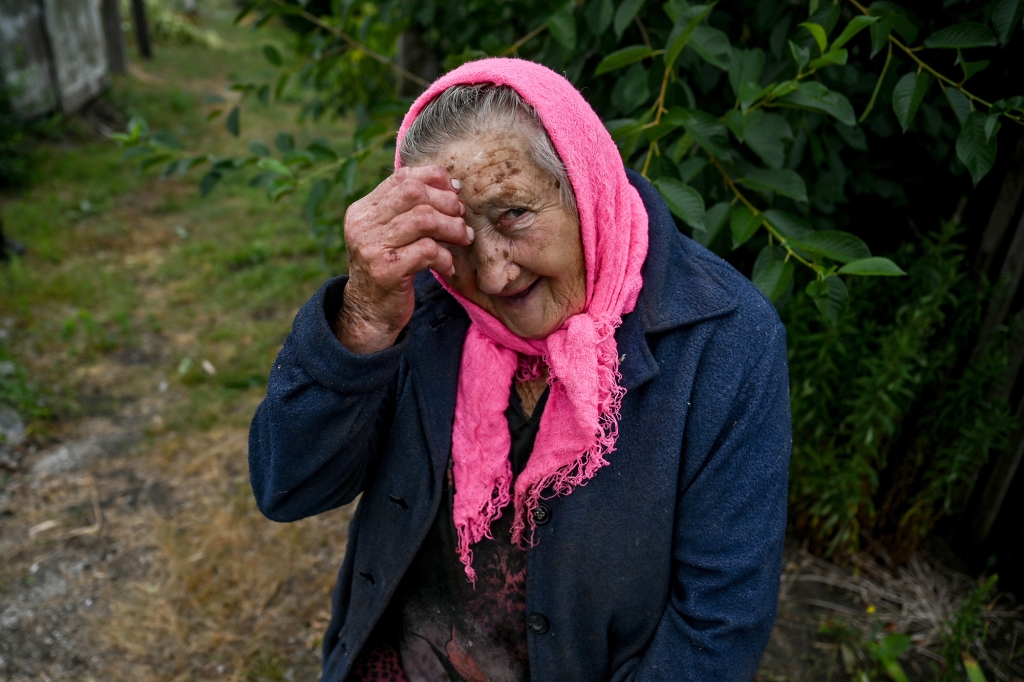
column 520, row 296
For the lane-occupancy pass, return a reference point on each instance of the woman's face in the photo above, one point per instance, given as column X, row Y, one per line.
column 525, row 266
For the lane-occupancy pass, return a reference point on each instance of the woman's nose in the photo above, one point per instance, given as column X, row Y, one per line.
column 495, row 268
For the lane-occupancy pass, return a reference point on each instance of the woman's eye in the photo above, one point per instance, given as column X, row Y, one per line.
column 510, row 217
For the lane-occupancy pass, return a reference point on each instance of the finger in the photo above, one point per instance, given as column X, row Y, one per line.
column 425, row 221
column 432, row 175
column 411, row 193
column 426, row 253
column 435, row 176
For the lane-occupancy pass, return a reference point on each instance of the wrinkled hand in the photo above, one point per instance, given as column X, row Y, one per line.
column 392, row 233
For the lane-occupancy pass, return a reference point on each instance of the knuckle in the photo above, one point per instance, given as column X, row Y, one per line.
column 410, row 190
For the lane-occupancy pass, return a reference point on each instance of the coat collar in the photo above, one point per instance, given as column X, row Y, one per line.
column 680, row 288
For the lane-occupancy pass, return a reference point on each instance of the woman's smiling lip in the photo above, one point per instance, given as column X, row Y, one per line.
column 520, row 295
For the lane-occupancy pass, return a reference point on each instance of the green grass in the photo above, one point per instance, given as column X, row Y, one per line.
column 115, row 255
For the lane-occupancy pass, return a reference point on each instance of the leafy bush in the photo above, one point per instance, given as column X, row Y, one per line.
column 889, row 433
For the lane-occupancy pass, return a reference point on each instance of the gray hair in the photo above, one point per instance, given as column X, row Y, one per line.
column 464, row 111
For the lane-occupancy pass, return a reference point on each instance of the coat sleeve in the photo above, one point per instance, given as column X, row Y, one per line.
column 322, row 425
column 730, row 519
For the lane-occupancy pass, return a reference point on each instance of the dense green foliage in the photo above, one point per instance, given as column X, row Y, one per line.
column 784, row 136
column 889, row 432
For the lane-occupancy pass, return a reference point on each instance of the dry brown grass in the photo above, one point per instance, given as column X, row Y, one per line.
column 226, row 585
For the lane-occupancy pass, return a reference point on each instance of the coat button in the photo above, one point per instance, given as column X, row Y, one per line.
column 541, row 514
column 537, row 623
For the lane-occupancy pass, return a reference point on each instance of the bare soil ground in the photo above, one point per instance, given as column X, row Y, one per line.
column 146, row 318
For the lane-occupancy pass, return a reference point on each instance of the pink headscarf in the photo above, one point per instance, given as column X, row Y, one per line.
column 579, row 425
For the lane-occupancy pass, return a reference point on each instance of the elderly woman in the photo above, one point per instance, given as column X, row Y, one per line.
column 571, row 436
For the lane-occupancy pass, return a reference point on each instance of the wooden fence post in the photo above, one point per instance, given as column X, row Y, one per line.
column 141, row 28
column 116, row 57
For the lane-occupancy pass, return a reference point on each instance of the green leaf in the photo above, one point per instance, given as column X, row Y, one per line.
column 773, row 281
column 974, row 673
column 964, row 35
column 745, row 66
column 875, row 266
column 259, row 149
column 830, row 297
column 992, row 125
column 598, row 14
column 782, row 181
column 275, row 166
column 958, row 102
column 316, row 196
column 706, row 130
column 771, row 253
column 842, row 247
column 714, row 219
column 816, row 97
column 232, row 122
column 624, row 57
column 801, row 55
column 685, row 202
column 692, row 167
column 322, row 151
column 162, row 138
column 750, row 93
column 897, row 18
column 683, row 31
column 1006, row 16
column 625, row 14
column 282, row 81
column 620, row 128
column 908, row 95
column 744, row 225
column 562, row 25
column 856, row 25
column 787, row 224
column 208, row 182
column 347, row 175
column 764, row 134
column 819, row 34
column 272, row 55
column 712, row 46
column 154, row 160
column 970, row 68
column 830, row 58
column 284, row 143
column 279, row 188
column 976, row 148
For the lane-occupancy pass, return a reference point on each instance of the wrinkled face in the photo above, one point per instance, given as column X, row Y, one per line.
column 525, row 266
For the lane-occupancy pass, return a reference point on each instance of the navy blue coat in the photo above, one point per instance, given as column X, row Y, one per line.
column 665, row 566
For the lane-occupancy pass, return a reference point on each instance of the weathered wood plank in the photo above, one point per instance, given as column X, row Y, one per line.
column 24, row 58
column 79, row 49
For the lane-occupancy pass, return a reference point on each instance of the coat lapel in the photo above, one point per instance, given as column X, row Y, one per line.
column 679, row 289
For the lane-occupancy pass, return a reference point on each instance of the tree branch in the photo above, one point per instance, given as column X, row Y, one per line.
column 783, row 242
column 372, row 54
column 924, row 65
